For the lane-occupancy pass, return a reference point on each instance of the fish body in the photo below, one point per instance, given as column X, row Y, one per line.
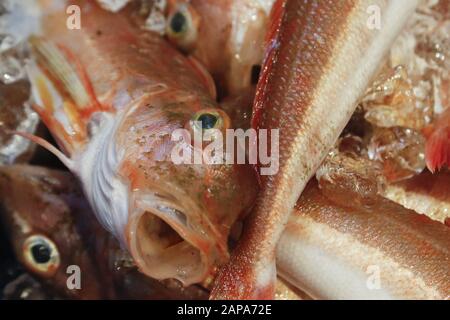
column 112, row 95
column 332, row 250
column 425, row 193
column 347, row 241
column 321, row 57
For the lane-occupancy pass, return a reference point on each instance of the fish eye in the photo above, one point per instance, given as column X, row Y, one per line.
column 210, row 119
column 41, row 255
column 182, row 27
column 178, row 23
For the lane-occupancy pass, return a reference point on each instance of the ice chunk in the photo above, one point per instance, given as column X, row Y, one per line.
column 18, row 20
column 393, row 100
column 11, row 69
column 352, row 145
column 404, row 94
column 113, row 5
column 350, row 181
column 401, row 151
column 7, row 41
column 15, row 115
column 156, row 22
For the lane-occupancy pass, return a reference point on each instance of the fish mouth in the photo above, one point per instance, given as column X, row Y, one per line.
column 168, row 241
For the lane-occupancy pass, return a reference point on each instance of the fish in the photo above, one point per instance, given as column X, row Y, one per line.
column 349, row 180
column 36, row 211
column 225, row 36
column 333, row 251
column 345, row 240
column 321, row 57
column 425, row 193
column 103, row 263
column 112, row 95
column 51, row 228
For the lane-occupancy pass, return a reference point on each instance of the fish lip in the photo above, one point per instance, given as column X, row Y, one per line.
column 206, row 250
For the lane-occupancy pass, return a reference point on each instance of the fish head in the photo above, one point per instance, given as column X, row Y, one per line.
column 182, row 204
column 225, row 36
column 37, row 208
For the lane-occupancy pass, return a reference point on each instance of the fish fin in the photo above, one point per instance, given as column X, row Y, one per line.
column 245, row 281
column 437, row 152
column 68, row 71
column 64, row 96
column 48, row 146
column 52, row 104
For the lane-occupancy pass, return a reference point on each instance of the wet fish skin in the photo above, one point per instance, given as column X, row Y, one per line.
column 333, row 250
column 321, row 58
column 345, row 240
column 425, row 193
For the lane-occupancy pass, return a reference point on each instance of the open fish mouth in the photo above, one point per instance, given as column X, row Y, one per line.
column 168, row 241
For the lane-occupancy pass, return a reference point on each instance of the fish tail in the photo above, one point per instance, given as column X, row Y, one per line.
column 437, row 152
column 63, row 95
column 250, row 282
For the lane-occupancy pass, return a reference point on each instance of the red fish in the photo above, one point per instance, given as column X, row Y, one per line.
column 321, row 58
column 112, row 95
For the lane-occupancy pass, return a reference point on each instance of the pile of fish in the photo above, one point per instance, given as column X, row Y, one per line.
column 354, row 96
